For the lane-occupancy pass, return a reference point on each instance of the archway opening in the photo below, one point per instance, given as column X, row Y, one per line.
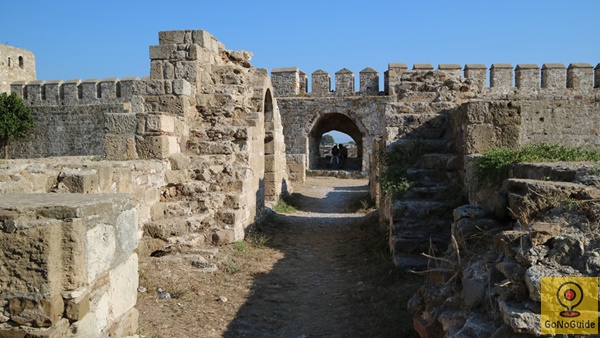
column 267, row 184
column 342, row 131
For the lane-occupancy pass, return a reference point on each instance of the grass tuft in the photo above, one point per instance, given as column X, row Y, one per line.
column 492, row 168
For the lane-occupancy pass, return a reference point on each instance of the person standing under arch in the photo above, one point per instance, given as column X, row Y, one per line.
column 335, row 155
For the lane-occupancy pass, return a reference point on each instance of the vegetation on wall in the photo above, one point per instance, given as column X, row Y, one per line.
column 493, row 166
column 394, row 178
column 15, row 119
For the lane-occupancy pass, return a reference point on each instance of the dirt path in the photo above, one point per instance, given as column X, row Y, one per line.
column 323, row 271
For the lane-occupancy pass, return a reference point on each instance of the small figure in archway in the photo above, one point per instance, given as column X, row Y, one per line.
column 335, row 155
column 343, row 155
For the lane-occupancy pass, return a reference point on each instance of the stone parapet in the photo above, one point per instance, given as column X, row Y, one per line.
column 69, row 263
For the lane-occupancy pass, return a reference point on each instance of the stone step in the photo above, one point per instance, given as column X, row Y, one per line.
column 439, row 161
column 432, row 192
column 420, row 209
column 416, row 242
column 429, row 225
column 413, row 262
column 429, row 177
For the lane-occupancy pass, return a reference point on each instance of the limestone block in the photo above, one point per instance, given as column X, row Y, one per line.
column 182, row 87
column 204, row 39
column 123, row 287
column 120, row 123
column 168, row 71
column 179, row 161
column 80, row 181
column 187, row 70
column 158, row 211
column 126, row 325
column 59, row 330
column 160, row 123
column 149, row 87
column 222, row 237
column 31, row 256
column 127, row 230
column 166, row 228
column 163, row 52
column 39, row 313
column 171, row 37
column 157, row 70
column 77, row 308
column 175, row 176
column 195, row 51
column 123, row 180
column 85, row 327
column 159, row 147
column 479, row 138
column 99, row 253
column 210, row 148
column 175, row 105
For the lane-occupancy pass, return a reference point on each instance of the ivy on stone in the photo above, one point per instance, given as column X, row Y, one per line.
column 15, row 119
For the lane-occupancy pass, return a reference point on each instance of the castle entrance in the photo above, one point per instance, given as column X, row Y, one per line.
column 320, row 150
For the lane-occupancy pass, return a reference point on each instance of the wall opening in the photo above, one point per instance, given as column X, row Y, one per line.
column 320, row 154
column 269, row 149
column 21, row 62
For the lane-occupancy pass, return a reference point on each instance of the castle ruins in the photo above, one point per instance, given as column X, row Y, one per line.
column 205, row 142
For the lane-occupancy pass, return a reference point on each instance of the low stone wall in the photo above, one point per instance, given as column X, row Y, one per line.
column 69, row 267
column 142, row 179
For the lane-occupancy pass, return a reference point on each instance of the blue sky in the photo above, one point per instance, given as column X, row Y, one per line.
column 101, row 39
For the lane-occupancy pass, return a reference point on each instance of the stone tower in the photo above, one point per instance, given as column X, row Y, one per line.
column 16, row 64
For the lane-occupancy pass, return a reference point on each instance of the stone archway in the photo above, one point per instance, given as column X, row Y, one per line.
column 326, row 123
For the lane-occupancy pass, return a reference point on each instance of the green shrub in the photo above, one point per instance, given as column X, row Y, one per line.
column 15, row 119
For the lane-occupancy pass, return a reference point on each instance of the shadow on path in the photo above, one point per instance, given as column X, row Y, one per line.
column 335, row 278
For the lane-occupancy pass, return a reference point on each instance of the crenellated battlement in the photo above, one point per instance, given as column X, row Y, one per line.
column 75, row 92
column 577, row 76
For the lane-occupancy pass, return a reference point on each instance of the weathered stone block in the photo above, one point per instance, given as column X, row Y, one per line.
column 160, row 123
column 77, row 308
column 182, row 87
column 175, row 176
column 80, row 181
column 120, row 146
column 171, row 37
column 120, row 123
column 123, row 287
column 157, row 146
column 39, row 313
column 157, row 70
column 187, row 70
column 163, row 52
column 126, row 325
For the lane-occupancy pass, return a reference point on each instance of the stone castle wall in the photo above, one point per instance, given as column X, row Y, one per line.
column 210, row 127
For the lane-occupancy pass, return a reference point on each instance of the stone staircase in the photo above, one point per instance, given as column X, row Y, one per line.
column 422, row 215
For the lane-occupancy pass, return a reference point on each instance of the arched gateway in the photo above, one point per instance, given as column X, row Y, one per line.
column 334, row 121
